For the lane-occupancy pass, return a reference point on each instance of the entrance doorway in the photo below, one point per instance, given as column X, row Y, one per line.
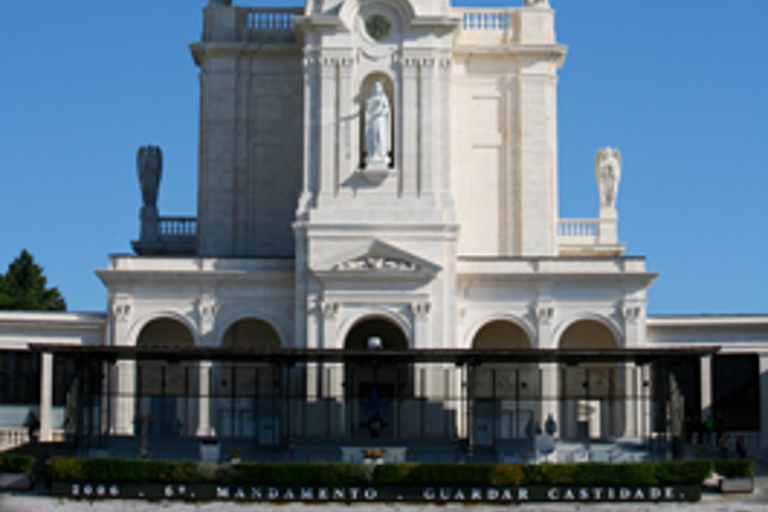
column 374, row 391
column 591, row 405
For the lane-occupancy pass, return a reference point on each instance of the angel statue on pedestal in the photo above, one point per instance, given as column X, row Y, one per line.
column 150, row 163
column 608, row 168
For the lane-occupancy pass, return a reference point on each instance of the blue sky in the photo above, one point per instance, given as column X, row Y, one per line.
column 678, row 85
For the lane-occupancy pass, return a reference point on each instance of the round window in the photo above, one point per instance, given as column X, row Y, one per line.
column 378, row 26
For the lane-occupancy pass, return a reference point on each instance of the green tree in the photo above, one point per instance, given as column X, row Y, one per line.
column 24, row 287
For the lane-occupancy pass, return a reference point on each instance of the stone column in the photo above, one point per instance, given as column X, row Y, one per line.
column 204, row 410
column 125, row 396
column 706, row 385
column 46, row 397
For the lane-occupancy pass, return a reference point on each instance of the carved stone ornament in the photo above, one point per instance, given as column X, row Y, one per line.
column 608, row 169
column 207, row 310
column 330, row 309
column 545, row 314
column 632, row 313
column 121, row 310
column 150, row 163
column 376, row 263
column 420, row 309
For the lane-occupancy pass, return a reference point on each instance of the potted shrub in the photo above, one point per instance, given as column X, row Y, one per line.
column 737, row 475
column 373, row 456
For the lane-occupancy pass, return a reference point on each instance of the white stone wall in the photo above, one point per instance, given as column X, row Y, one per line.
column 504, row 133
column 250, row 149
column 545, row 297
column 205, row 295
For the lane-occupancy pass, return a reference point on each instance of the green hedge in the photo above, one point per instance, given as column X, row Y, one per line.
column 17, row 464
column 735, row 468
column 341, row 474
column 127, row 470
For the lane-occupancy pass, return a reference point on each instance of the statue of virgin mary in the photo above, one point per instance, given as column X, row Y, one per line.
column 378, row 122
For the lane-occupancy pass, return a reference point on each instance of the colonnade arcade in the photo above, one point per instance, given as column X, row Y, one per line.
column 493, row 398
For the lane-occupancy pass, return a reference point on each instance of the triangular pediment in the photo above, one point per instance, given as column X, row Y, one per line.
column 377, row 258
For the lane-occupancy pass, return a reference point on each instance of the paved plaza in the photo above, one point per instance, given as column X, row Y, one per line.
column 17, row 503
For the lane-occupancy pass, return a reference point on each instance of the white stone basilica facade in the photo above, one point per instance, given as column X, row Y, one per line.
column 388, row 169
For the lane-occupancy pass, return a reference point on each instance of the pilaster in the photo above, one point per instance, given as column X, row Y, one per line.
column 537, row 195
column 550, row 382
column 409, row 133
column 420, row 314
column 347, row 149
column 207, row 309
column 329, row 125
column 218, row 153
column 427, row 127
column 121, row 309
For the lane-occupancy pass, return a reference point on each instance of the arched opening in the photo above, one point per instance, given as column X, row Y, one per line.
column 505, row 395
column 165, row 332
column 391, row 335
column 251, row 333
column 591, row 393
column 164, row 388
column 376, row 392
column 247, row 393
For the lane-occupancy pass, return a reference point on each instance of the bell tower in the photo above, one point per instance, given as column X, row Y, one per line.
column 376, row 159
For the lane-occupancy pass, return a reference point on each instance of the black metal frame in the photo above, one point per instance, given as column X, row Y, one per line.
column 95, row 370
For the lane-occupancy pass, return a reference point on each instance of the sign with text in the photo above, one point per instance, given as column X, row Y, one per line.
column 383, row 493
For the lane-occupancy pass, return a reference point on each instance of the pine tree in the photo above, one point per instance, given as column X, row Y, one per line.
column 24, row 287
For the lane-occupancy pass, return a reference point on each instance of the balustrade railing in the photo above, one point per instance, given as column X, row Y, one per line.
column 578, row 228
column 485, row 20
column 177, row 227
column 268, row 24
column 486, row 26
